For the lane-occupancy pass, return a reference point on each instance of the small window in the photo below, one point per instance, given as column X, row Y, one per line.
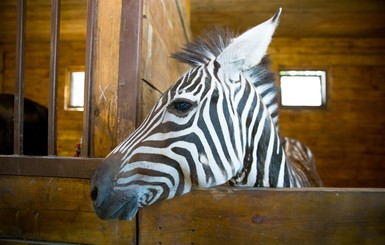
column 300, row 88
column 74, row 89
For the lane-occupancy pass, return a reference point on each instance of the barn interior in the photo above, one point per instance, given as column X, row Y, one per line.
column 344, row 38
column 46, row 200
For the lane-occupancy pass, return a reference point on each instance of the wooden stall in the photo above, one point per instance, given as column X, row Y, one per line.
column 45, row 200
column 217, row 216
column 37, row 59
column 347, row 40
column 267, row 216
column 346, row 136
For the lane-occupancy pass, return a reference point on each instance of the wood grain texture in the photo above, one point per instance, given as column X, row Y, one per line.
column 36, row 84
column 346, row 138
column 316, row 18
column 104, row 92
column 73, row 20
column 55, row 210
column 222, row 215
column 267, row 216
column 163, row 33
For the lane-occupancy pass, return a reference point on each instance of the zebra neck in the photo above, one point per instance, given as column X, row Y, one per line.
column 264, row 82
column 264, row 161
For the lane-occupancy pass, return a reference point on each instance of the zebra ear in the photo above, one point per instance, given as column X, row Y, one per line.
column 248, row 49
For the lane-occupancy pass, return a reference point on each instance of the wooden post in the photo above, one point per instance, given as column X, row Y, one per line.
column 115, row 73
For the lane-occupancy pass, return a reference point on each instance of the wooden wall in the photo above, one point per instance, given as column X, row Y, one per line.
column 224, row 215
column 160, row 38
column 55, row 210
column 37, row 83
column 347, row 137
column 230, row 215
column 59, row 209
column 119, row 104
column 37, row 62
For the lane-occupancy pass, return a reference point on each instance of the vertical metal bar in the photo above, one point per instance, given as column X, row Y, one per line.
column 52, row 105
column 91, row 22
column 19, row 81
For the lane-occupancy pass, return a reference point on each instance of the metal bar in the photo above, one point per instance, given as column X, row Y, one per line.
column 52, row 105
column 91, row 22
column 18, row 127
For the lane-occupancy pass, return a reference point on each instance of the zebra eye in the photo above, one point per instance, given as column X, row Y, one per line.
column 180, row 106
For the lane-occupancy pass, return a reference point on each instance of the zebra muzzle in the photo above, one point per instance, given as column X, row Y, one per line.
column 110, row 202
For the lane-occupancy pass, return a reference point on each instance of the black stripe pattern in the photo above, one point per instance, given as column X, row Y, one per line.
column 212, row 127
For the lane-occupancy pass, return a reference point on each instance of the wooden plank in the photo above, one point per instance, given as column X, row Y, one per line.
column 38, row 13
column 314, row 18
column 115, row 74
column 322, row 46
column 346, row 136
column 105, row 68
column 149, row 97
column 55, row 210
column 129, row 67
column 68, row 167
column 267, row 216
column 163, row 33
column 37, row 81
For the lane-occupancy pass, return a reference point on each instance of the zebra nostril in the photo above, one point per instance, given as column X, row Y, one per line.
column 94, row 194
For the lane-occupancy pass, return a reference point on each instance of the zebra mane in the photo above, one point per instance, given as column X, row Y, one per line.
column 211, row 44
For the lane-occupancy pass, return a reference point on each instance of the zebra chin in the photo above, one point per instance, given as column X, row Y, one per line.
column 109, row 201
column 119, row 205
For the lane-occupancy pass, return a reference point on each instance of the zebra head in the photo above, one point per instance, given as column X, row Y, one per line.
column 195, row 136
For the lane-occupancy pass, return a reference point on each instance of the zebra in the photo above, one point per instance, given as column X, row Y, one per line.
column 218, row 124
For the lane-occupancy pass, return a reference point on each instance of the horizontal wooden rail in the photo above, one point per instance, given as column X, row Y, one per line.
column 60, row 210
column 228, row 215
column 35, row 209
column 65, row 167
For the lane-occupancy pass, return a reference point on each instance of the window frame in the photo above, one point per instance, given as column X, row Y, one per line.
column 325, row 86
column 67, row 88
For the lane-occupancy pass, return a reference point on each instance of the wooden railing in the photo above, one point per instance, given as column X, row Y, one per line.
column 46, row 199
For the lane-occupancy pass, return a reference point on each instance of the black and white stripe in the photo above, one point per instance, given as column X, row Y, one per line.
column 218, row 123
column 206, row 48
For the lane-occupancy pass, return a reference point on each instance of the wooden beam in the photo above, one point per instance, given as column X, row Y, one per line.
column 228, row 215
column 129, row 67
column 66, row 167
column 57, row 211
column 115, row 65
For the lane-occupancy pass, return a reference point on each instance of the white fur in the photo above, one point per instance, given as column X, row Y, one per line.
column 248, row 49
